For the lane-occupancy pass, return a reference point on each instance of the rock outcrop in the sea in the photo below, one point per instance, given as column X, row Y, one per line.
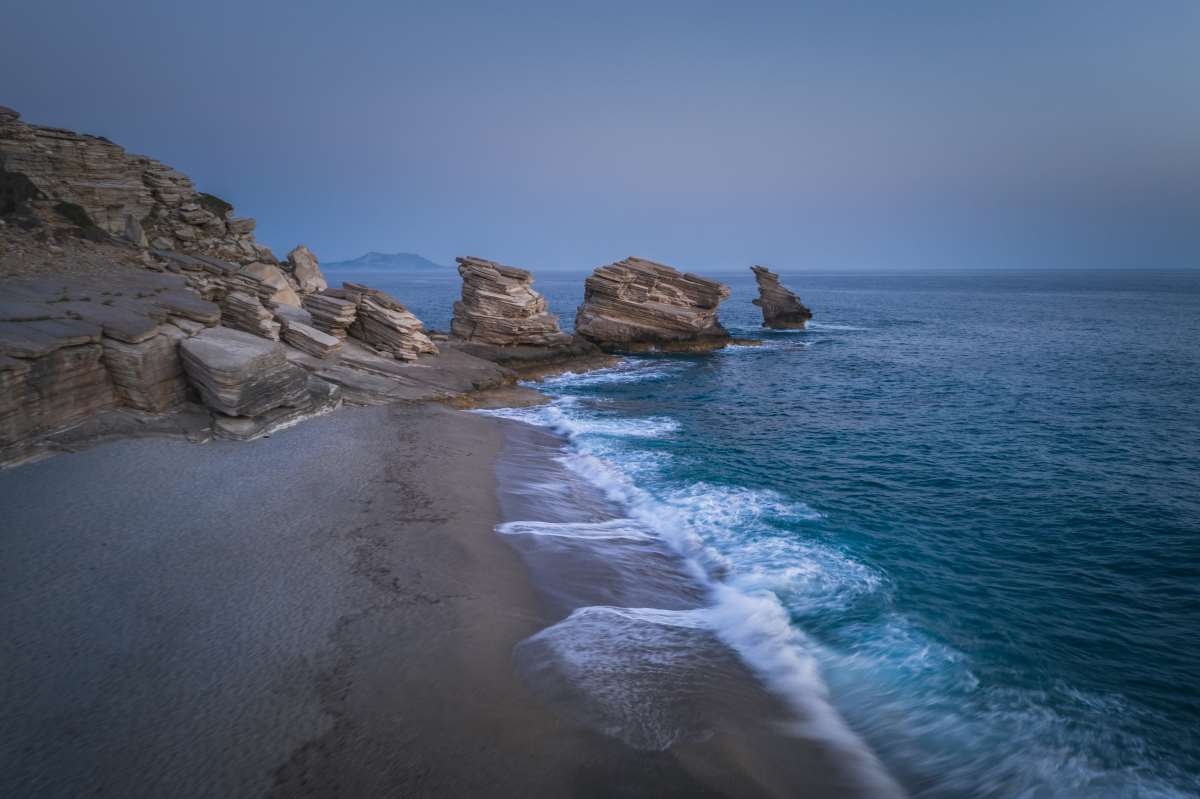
column 781, row 308
column 500, row 307
column 637, row 305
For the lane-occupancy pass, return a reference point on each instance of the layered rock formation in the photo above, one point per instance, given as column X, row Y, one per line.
column 781, row 309
column 637, row 305
column 500, row 307
column 382, row 322
column 125, row 195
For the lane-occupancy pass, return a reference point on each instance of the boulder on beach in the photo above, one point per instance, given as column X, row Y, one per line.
column 240, row 374
column 781, row 308
column 500, row 307
column 637, row 305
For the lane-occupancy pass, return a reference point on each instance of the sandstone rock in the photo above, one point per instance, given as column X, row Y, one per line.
column 309, row 339
column 113, row 187
column 134, row 233
column 148, row 375
column 245, row 312
column 239, row 374
column 321, row 397
column 385, row 324
column 781, row 309
column 287, row 313
column 636, row 305
column 331, row 314
column 305, row 270
column 282, row 292
column 58, row 388
column 500, row 307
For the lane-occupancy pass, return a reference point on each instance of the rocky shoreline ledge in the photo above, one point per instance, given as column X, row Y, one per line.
column 133, row 304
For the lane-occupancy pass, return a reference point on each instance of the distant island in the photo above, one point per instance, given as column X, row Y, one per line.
column 389, row 262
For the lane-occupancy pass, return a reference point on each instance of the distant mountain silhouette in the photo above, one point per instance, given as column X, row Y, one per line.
column 389, row 262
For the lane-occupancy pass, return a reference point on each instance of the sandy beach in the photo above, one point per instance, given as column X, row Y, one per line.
column 324, row 612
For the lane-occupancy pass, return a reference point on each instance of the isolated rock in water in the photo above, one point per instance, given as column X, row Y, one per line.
column 308, row 339
column 282, row 292
column 384, row 323
column 305, row 270
column 331, row 314
column 781, row 309
column 240, row 374
column 635, row 305
column 500, row 307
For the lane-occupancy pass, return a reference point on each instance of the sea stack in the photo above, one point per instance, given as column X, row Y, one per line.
column 500, row 307
column 781, row 309
column 637, row 305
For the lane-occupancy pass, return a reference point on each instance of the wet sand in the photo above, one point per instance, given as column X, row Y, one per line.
column 325, row 612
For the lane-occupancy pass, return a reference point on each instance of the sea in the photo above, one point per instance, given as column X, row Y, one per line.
column 955, row 523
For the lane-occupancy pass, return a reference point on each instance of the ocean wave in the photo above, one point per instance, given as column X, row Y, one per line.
column 627, row 371
column 613, row 529
column 832, row 326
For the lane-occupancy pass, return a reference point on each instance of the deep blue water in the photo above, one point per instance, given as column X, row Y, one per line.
column 976, row 497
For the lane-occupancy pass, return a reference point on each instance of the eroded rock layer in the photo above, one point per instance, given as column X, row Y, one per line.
column 781, row 308
column 636, row 304
column 500, row 307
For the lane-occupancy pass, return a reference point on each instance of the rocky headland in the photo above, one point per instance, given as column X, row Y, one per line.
column 132, row 303
column 781, row 308
column 637, row 305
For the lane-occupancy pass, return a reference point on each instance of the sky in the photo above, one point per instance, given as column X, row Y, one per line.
column 564, row 135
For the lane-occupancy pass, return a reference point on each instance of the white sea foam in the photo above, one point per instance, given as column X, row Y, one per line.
column 830, row 326
column 613, row 530
column 621, row 373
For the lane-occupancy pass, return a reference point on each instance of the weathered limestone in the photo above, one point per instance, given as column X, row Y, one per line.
column 149, row 375
column 129, row 196
column 308, row 339
column 51, row 375
column 240, row 374
column 781, row 309
column 637, row 305
column 331, row 314
column 281, row 290
column 302, row 263
column 384, row 324
column 242, row 311
column 500, row 307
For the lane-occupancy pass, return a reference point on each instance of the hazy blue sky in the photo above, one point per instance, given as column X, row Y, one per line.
column 802, row 135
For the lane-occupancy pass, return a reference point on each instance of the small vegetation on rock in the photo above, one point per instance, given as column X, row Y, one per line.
column 215, row 205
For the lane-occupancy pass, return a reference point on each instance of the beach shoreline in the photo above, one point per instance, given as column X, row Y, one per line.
column 325, row 611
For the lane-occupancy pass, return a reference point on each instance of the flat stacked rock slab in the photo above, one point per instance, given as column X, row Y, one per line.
column 240, row 374
column 500, row 307
column 781, row 308
column 310, row 340
column 332, row 314
column 383, row 323
column 637, row 305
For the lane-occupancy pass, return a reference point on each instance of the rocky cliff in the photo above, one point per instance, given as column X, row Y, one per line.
column 636, row 305
column 98, row 185
column 781, row 309
column 131, row 304
column 500, row 307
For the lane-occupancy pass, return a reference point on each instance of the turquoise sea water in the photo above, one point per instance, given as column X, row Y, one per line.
column 975, row 499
